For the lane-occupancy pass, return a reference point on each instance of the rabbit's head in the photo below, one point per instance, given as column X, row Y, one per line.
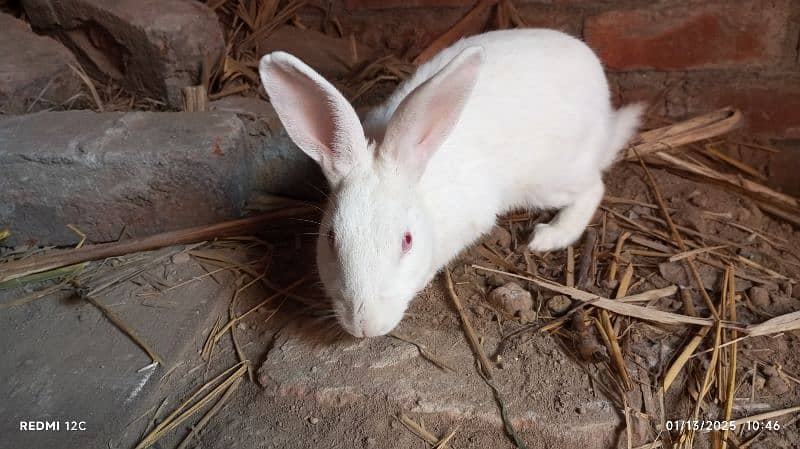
column 376, row 244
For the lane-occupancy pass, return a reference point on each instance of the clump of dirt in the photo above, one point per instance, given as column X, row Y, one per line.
column 511, row 298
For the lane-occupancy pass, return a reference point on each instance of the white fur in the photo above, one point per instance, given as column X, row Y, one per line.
column 503, row 120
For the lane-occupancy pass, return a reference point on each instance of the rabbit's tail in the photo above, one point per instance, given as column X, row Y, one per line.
column 624, row 123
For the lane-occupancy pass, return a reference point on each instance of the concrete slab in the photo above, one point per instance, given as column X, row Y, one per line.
column 64, row 361
column 142, row 172
column 548, row 397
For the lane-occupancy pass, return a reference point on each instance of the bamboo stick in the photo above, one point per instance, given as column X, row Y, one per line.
column 57, row 259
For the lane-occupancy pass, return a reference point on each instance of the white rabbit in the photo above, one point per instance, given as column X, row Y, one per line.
column 503, row 120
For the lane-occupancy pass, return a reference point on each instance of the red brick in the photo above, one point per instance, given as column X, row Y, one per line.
column 401, row 31
column 690, row 37
column 521, row 3
column 782, row 168
column 650, row 88
column 547, row 16
column 770, row 108
column 389, row 4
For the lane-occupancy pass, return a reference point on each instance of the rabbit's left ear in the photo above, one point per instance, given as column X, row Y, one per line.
column 425, row 118
column 316, row 116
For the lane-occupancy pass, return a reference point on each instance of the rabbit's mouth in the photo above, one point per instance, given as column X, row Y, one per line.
column 368, row 320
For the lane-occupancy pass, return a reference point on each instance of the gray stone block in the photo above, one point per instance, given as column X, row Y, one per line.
column 278, row 167
column 152, row 46
column 143, row 172
column 34, row 70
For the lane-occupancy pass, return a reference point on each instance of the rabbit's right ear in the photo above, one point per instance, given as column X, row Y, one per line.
column 425, row 118
column 316, row 115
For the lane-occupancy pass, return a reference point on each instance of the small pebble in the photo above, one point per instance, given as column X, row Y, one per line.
column 512, row 298
column 777, row 385
column 500, row 236
column 313, row 420
column 495, row 280
column 770, row 370
column 759, row 296
column 796, row 290
column 558, row 304
column 700, row 201
column 181, row 258
column 527, row 316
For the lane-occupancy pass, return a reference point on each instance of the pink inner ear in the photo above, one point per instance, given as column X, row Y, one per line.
column 316, row 116
column 306, row 115
column 425, row 118
column 438, row 121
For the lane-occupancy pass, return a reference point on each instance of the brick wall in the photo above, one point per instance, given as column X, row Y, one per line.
column 681, row 56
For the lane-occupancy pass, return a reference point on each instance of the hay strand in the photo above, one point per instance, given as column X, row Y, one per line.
column 125, row 328
column 689, row 131
column 185, row 410
column 57, row 259
column 424, row 352
column 477, row 347
column 619, row 307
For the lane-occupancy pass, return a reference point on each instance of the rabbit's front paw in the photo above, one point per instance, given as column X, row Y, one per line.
column 548, row 237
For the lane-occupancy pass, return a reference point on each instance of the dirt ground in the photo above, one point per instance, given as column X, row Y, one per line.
column 314, row 386
column 555, row 398
column 574, row 395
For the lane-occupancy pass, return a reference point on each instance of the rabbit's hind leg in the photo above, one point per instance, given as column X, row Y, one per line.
column 570, row 222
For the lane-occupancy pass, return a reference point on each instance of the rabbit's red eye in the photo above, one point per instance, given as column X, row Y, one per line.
column 407, row 241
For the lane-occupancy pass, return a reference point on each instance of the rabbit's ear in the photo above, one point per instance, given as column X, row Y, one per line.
column 425, row 118
column 316, row 115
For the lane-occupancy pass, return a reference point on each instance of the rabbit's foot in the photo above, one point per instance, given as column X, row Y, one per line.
column 549, row 237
